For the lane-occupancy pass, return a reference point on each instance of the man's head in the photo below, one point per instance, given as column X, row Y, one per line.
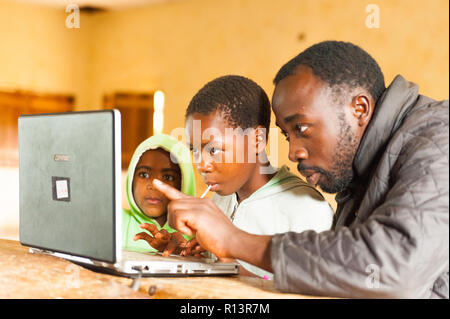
column 323, row 101
column 155, row 163
column 234, row 113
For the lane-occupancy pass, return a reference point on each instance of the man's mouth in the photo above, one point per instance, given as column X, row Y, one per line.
column 312, row 176
column 313, row 179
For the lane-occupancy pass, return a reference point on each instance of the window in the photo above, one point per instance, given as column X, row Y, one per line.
column 137, row 119
column 13, row 104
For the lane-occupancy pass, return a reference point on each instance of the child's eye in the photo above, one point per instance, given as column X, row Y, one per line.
column 144, row 175
column 168, row 178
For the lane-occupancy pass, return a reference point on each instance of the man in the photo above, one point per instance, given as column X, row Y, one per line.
column 383, row 150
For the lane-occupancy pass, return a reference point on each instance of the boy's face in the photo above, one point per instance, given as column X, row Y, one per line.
column 224, row 159
column 154, row 164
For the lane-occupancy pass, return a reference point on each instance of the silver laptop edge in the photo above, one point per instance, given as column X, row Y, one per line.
column 118, row 182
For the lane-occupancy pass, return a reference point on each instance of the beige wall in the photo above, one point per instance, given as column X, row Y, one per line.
column 37, row 51
column 179, row 46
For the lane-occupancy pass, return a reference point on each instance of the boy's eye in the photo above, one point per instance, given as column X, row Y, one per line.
column 195, row 154
column 213, row 151
column 194, row 151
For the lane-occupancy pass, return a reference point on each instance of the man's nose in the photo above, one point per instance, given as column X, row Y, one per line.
column 297, row 153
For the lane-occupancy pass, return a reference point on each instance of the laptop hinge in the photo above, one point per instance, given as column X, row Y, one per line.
column 136, row 284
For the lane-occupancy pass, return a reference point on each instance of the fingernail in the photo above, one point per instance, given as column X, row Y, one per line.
column 157, row 182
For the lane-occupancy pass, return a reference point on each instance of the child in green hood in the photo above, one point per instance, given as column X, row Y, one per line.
column 165, row 158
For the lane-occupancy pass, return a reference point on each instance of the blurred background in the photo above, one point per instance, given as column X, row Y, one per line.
column 149, row 57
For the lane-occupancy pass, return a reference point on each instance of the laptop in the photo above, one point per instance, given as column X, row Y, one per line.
column 71, row 202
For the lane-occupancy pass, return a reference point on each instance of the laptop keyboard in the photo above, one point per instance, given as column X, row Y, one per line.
column 157, row 256
column 134, row 256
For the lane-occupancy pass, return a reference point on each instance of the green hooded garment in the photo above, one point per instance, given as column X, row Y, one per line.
column 132, row 218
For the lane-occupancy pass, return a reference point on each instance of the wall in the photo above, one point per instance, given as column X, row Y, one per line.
column 179, row 46
column 37, row 53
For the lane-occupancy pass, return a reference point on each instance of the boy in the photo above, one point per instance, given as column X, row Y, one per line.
column 154, row 158
column 256, row 197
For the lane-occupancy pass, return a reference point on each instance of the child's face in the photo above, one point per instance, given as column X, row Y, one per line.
column 223, row 162
column 154, row 164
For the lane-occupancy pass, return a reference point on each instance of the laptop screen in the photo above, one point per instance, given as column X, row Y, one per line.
column 69, row 183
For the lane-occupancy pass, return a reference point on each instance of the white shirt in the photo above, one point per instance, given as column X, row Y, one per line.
column 286, row 203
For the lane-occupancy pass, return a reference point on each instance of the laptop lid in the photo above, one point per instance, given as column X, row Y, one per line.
column 69, row 183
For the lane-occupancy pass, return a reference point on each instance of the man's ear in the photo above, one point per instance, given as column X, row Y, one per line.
column 261, row 139
column 362, row 108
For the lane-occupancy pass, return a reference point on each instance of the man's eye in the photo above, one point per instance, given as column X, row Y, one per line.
column 285, row 135
column 301, row 129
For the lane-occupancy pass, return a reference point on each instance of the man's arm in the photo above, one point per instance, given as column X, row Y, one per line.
column 253, row 249
column 399, row 248
column 213, row 230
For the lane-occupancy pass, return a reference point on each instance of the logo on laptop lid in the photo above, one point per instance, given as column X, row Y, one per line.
column 61, row 158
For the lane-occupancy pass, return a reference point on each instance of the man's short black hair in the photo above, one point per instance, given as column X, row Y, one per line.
column 339, row 63
column 241, row 101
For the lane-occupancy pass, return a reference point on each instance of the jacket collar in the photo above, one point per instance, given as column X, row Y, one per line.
column 388, row 115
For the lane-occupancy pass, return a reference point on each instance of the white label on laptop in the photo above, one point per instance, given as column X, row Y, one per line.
column 61, row 189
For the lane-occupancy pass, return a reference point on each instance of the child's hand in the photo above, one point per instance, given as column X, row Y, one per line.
column 165, row 242
column 160, row 238
column 169, row 243
column 192, row 248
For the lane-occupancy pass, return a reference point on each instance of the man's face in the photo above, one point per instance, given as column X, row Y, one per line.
column 222, row 159
column 321, row 129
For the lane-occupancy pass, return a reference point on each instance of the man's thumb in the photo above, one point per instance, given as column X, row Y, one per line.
column 170, row 192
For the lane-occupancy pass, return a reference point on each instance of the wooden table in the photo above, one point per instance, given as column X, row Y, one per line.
column 27, row 275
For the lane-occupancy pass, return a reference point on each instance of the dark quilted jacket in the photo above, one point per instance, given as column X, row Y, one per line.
column 390, row 236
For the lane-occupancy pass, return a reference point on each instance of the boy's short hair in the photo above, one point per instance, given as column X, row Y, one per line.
column 241, row 101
